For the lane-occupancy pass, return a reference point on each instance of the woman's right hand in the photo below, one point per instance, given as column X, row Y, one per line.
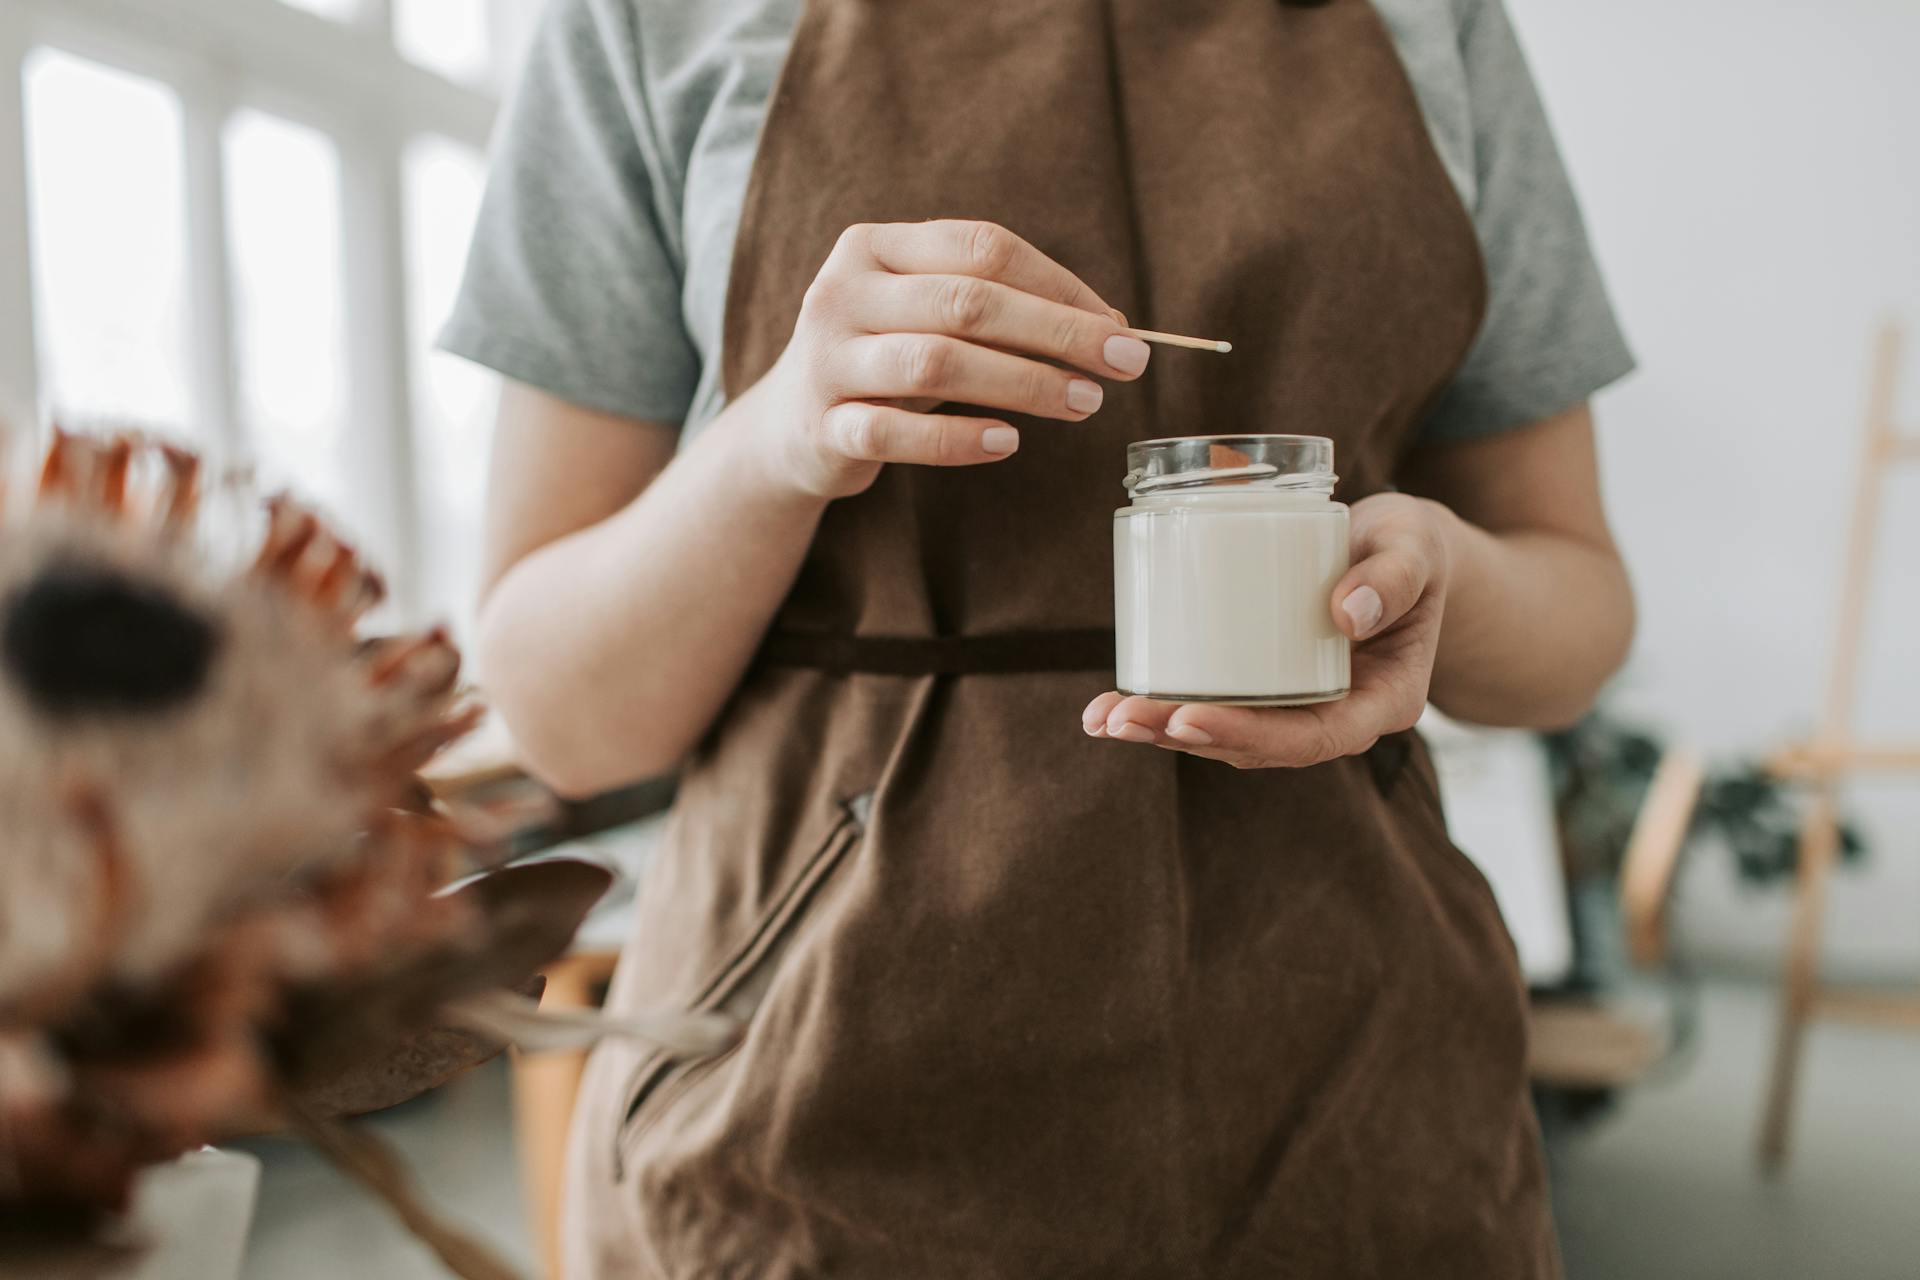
column 905, row 317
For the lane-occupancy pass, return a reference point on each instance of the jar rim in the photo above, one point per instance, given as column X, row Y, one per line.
column 1259, row 461
column 1228, row 437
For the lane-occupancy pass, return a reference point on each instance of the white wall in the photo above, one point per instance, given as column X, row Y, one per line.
column 1751, row 172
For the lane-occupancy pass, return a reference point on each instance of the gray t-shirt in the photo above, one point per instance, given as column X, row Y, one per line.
column 599, row 269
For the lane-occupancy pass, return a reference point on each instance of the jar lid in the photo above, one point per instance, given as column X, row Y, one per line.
column 1265, row 462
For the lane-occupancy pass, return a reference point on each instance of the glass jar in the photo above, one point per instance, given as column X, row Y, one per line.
column 1224, row 570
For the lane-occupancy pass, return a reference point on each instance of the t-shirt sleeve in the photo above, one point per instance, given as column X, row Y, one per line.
column 572, row 284
column 1550, row 339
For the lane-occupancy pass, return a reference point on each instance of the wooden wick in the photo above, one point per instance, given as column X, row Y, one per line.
column 1176, row 340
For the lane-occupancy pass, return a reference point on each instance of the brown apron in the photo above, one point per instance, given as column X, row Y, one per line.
column 1025, row 1004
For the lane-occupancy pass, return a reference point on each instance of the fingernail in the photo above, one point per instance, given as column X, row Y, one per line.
column 1128, row 731
column 1000, row 440
column 1084, row 396
column 1119, row 318
column 1363, row 606
column 1192, row 735
column 1128, row 355
column 1094, row 728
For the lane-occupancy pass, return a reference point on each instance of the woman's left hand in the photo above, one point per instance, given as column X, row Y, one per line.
column 1390, row 603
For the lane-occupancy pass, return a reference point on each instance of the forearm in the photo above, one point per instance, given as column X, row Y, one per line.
column 1535, row 622
column 610, row 651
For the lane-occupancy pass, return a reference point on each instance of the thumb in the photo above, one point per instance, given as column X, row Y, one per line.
column 1382, row 588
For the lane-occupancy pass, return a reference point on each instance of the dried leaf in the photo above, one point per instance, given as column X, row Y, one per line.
column 532, row 912
column 527, row 918
column 378, row 1079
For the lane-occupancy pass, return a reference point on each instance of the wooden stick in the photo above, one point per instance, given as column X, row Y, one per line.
column 1653, row 854
column 1865, row 1005
column 1824, row 759
column 1175, row 340
column 1818, row 848
column 1834, row 753
column 1869, row 490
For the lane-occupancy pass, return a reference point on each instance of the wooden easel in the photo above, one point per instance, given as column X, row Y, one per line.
column 1834, row 755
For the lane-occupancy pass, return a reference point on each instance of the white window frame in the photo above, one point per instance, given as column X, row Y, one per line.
column 344, row 79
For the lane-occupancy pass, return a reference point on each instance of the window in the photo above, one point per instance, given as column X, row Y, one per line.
column 453, row 400
column 447, row 36
column 243, row 222
column 338, row 10
column 283, row 226
column 108, row 220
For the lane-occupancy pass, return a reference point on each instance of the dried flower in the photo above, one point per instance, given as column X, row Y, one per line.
column 222, row 899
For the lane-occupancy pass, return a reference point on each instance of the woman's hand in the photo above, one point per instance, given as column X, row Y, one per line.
column 1390, row 603
column 908, row 316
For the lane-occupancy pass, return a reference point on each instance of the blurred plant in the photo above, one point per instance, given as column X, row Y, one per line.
column 1601, row 770
column 225, row 901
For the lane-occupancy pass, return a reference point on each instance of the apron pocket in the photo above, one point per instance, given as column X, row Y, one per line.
column 741, row 983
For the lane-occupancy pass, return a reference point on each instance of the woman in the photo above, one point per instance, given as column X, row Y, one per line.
column 803, row 480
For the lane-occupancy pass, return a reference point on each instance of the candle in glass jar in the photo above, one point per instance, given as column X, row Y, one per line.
column 1224, row 568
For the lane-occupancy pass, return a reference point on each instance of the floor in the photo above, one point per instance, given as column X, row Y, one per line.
column 1663, row 1188
column 312, row 1225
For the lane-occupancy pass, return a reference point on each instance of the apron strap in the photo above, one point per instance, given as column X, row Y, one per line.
column 1009, row 653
